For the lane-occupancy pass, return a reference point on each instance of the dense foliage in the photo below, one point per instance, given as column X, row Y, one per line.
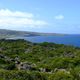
column 23, row 60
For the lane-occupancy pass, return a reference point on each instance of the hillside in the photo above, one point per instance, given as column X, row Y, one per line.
column 12, row 33
column 23, row 60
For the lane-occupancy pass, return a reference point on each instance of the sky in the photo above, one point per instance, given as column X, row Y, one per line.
column 49, row 16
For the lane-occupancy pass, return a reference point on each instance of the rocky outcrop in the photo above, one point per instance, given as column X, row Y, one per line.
column 24, row 65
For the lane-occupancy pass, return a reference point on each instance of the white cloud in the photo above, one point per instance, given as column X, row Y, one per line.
column 59, row 17
column 8, row 13
column 14, row 19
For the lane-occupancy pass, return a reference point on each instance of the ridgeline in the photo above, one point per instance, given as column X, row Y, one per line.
column 13, row 33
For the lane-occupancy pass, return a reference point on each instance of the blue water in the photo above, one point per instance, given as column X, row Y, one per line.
column 73, row 40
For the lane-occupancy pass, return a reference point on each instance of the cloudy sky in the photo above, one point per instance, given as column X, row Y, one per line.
column 54, row 16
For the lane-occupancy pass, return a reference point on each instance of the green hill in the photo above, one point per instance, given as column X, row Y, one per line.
column 23, row 60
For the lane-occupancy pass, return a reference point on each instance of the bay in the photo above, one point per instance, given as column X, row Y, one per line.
column 73, row 40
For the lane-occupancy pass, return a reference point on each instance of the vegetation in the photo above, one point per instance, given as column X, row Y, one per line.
column 23, row 60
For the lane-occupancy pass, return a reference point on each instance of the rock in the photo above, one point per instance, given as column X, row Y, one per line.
column 1, row 56
column 28, row 50
column 45, row 70
column 69, row 54
column 24, row 66
column 62, row 70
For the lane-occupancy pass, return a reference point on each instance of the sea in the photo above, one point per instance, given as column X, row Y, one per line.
column 72, row 40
